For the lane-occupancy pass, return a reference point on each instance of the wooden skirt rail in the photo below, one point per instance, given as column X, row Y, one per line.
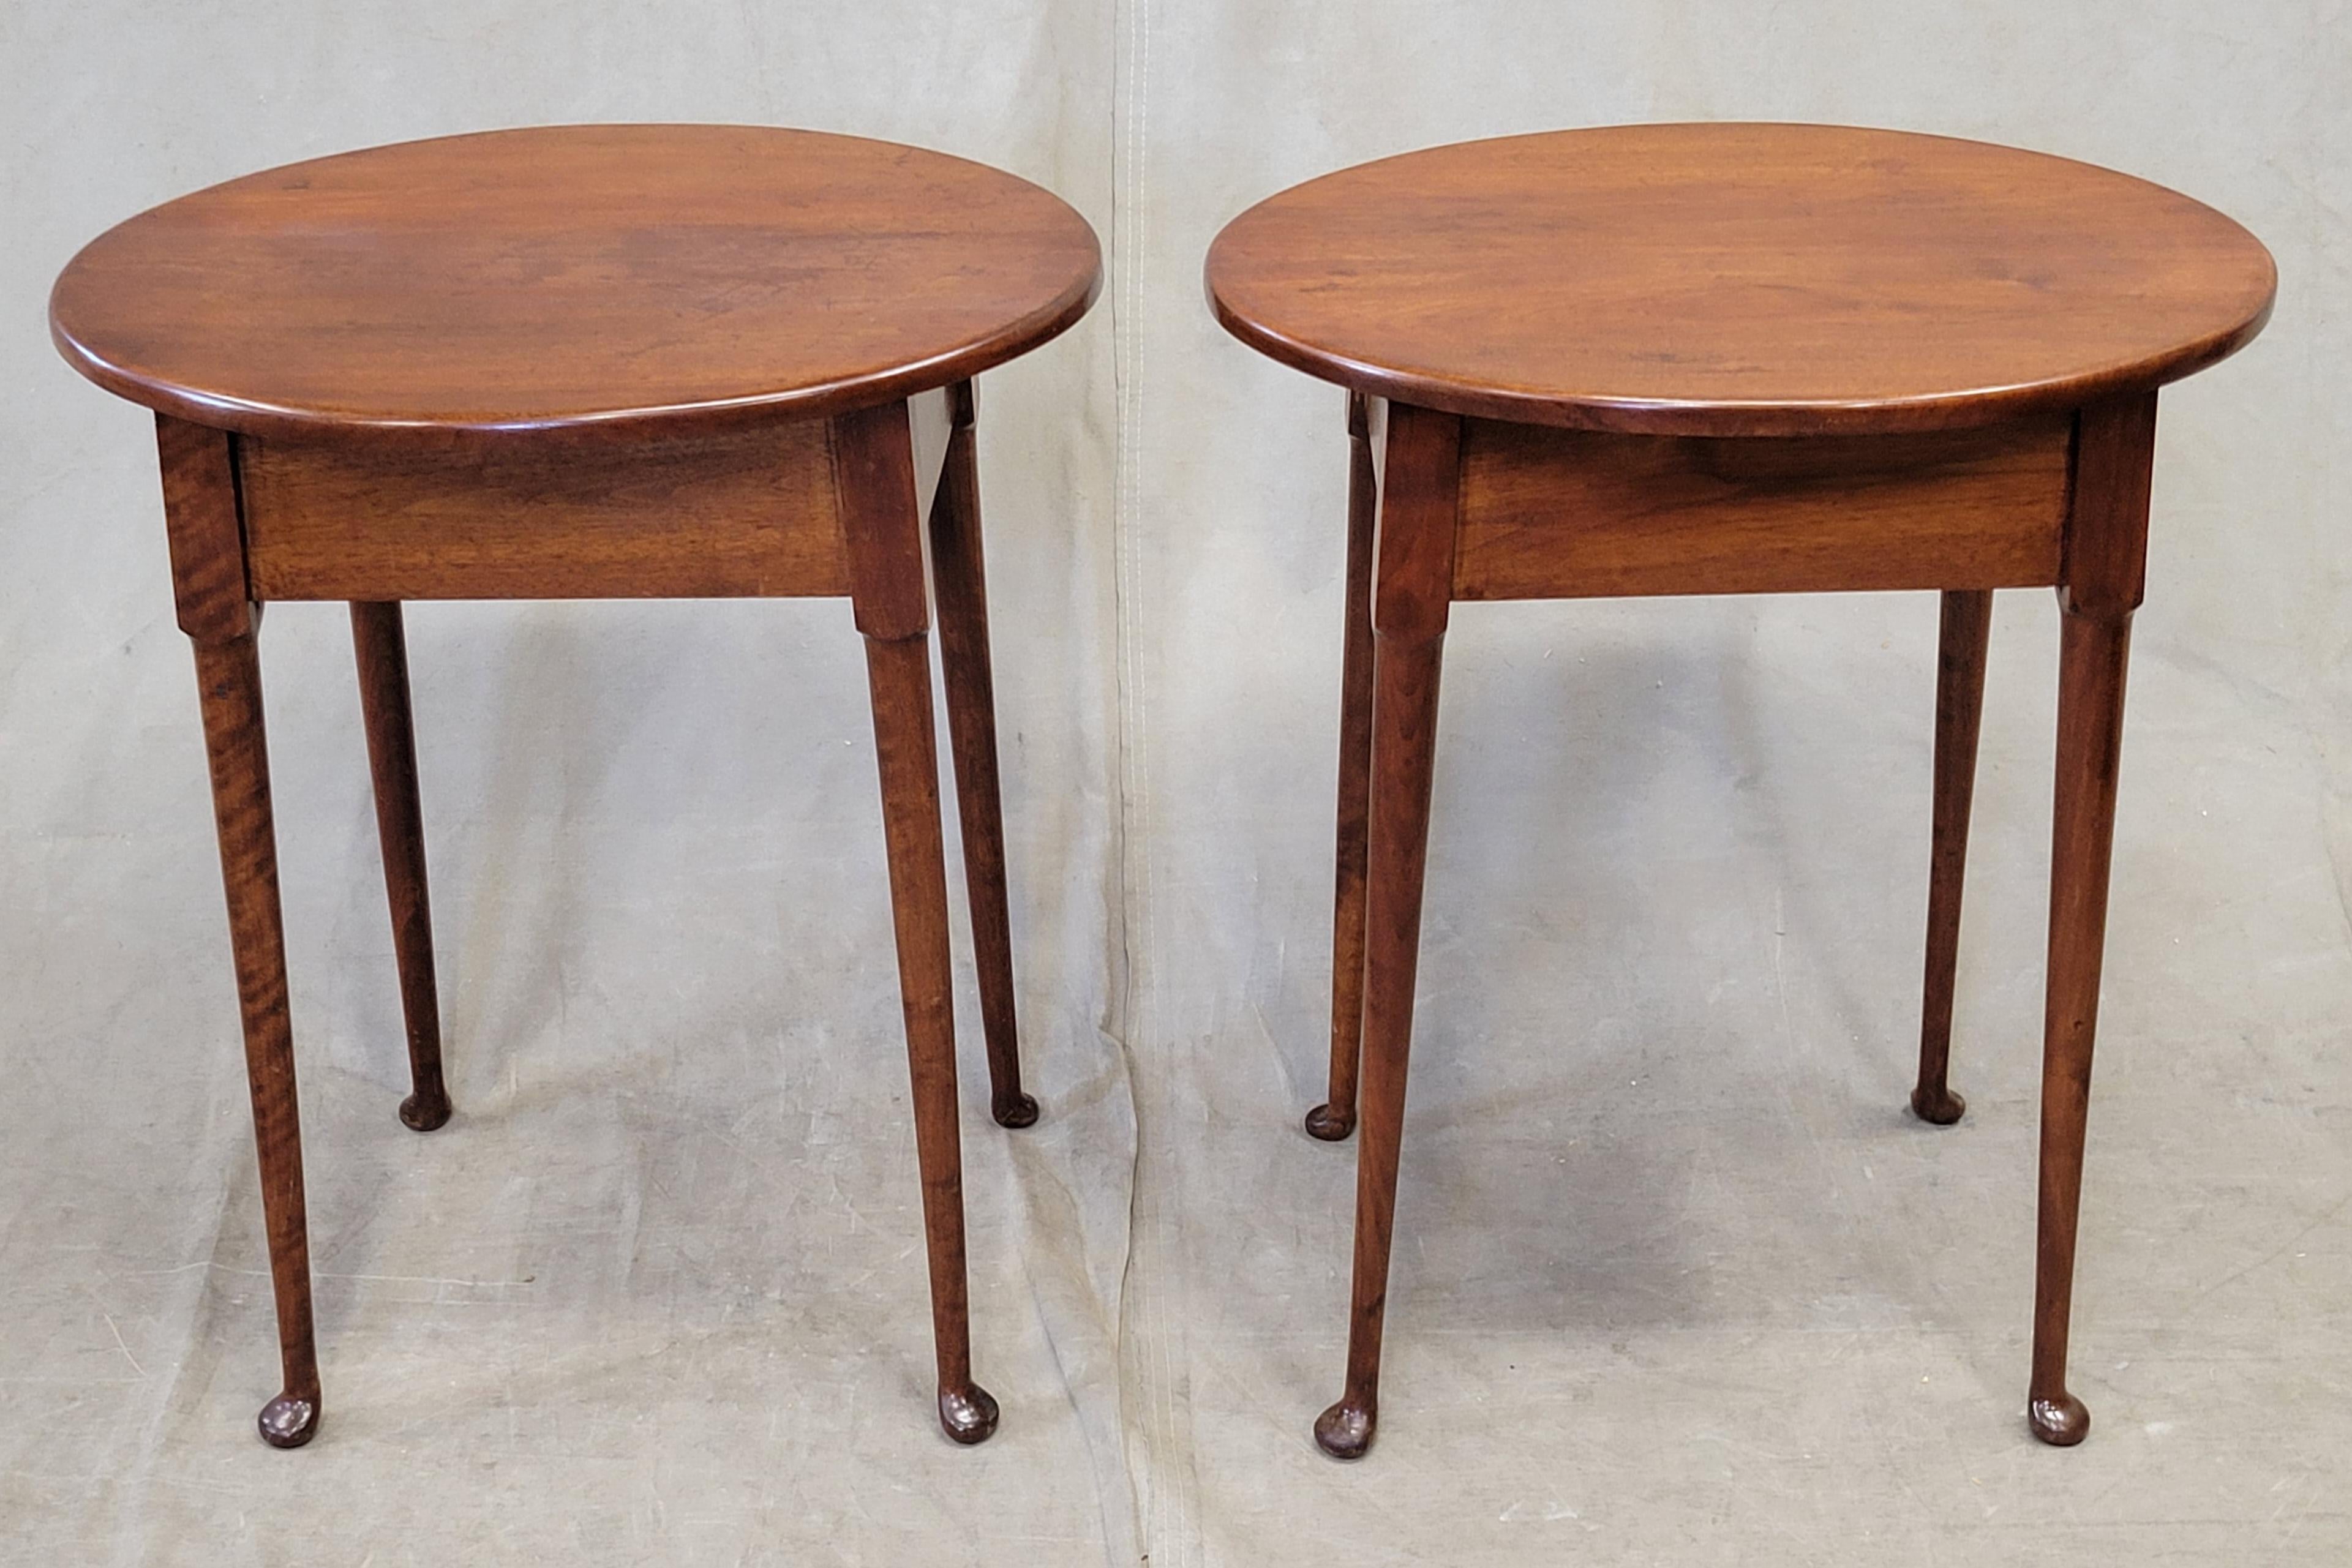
column 754, row 512
column 1551, row 514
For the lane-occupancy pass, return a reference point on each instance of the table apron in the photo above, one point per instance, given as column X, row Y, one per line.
column 731, row 514
column 1549, row 513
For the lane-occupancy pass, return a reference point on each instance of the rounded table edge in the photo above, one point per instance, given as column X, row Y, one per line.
column 1961, row 409
column 272, row 422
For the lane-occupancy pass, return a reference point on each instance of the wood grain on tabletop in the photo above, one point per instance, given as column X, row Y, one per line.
column 1738, row 279
column 608, row 276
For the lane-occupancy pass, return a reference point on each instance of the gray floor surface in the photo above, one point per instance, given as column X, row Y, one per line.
column 1677, row 1279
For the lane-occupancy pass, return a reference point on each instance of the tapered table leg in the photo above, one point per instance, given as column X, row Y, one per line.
column 1404, row 752
column 898, row 671
column 2105, row 555
column 1336, row 1117
column 874, row 465
column 960, row 577
column 1960, row 703
column 2090, row 736
column 228, row 675
column 208, row 582
column 382, row 650
column 1411, row 590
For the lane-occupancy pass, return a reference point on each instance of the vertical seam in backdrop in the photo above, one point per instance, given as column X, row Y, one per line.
column 1128, row 173
column 1158, row 1468
column 1125, row 782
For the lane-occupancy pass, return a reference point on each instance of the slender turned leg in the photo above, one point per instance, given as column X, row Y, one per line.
column 1336, row 1117
column 961, row 581
column 1410, row 597
column 875, row 475
column 383, row 654
column 1959, row 703
column 2106, row 546
column 2089, row 735
column 200, row 514
column 229, row 677
column 899, row 673
column 1404, row 751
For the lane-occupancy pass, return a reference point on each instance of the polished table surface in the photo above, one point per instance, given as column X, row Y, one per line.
column 1729, row 279
column 625, row 277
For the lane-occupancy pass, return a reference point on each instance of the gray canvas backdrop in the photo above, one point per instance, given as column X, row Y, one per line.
column 1675, row 1280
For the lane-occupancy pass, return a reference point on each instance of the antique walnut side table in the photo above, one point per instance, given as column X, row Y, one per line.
column 1735, row 359
column 575, row 362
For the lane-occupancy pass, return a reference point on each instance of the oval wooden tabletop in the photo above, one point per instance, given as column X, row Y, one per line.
column 612, row 276
column 1729, row 279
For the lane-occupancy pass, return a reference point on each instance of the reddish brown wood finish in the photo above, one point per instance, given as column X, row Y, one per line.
column 1960, row 703
column 1711, row 359
column 381, row 648
column 1420, row 486
column 2106, row 544
column 1336, row 1117
column 631, row 278
column 207, row 561
column 200, row 521
column 960, row 578
column 1574, row 514
column 874, row 468
column 1726, row 279
column 588, row 363
column 700, row 515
